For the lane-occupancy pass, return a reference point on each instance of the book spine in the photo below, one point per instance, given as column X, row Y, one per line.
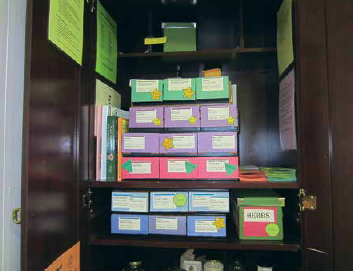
column 98, row 135
column 111, row 149
column 103, row 150
column 121, row 128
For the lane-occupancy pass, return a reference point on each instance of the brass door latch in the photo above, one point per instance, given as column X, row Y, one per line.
column 306, row 202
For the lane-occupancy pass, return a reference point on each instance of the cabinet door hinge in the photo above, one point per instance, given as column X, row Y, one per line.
column 87, row 200
column 306, row 202
column 16, row 215
column 91, row 4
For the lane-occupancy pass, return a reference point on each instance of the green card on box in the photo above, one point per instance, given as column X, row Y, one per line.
column 146, row 90
column 179, row 89
column 180, row 37
column 212, row 88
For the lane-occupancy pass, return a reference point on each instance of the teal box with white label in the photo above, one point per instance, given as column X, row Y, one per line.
column 179, row 89
column 146, row 90
column 209, row 201
column 133, row 202
column 210, row 88
column 163, row 201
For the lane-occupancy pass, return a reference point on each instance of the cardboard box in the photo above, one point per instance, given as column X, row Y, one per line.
column 180, row 37
column 170, row 225
column 163, row 201
column 128, row 201
column 207, row 225
column 186, row 116
column 129, row 224
column 146, row 117
column 179, row 89
column 211, row 88
column 218, row 168
column 140, row 143
column 259, row 215
column 217, row 142
column 140, row 168
column 178, row 168
column 178, row 143
column 146, row 90
column 209, row 201
column 219, row 115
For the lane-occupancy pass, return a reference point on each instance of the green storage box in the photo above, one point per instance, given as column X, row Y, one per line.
column 209, row 88
column 146, row 90
column 259, row 215
column 179, row 89
column 180, row 37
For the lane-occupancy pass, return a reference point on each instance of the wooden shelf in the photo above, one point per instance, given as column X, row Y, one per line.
column 189, row 242
column 175, row 184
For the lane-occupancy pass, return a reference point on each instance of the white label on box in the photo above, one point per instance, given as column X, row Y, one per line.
column 219, row 204
column 167, row 223
column 146, row 85
column 144, row 116
column 260, row 268
column 121, row 201
column 212, row 84
column 138, row 204
column 259, row 215
column 131, row 224
column 141, row 167
column 134, row 142
column 201, row 201
column 184, row 142
column 181, row 114
column 218, row 113
column 178, row 84
column 216, row 165
column 223, row 142
column 163, row 201
column 205, row 226
column 176, row 166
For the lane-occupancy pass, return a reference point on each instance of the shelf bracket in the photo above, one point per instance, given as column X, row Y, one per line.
column 306, row 202
column 87, row 200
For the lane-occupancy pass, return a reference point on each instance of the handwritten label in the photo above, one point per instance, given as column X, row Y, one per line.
column 163, row 201
column 146, row 85
column 131, row 203
column 144, row 116
column 223, row 142
column 131, row 224
column 212, row 84
column 178, row 84
column 167, row 223
column 134, row 142
column 205, row 226
column 141, row 167
column 176, row 166
column 180, row 114
column 216, row 165
column 218, row 113
column 184, row 142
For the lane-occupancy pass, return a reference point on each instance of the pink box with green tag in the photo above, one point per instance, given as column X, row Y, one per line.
column 179, row 168
column 218, row 168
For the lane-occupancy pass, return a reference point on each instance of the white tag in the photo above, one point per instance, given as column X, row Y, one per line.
column 219, row 204
column 218, row 113
column 178, row 84
column 121, row 202
column 141, row 167
column 138, row 204
column 216, row 165
column 132, row 224
column 143, row 116
column 134, row 142
column 205, row 226
column 223, row 142
column 146, row 85
column 202, row 201
column 259, row 215
column 212, row 84
column 166, row 223
column 184, row 142
column 163, row 202
column 175, row 166
column 181, row 114
column 260, row 268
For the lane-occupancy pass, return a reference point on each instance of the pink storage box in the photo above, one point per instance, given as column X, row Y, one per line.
column 218, row 168
column 179, row 168
column 140, row 168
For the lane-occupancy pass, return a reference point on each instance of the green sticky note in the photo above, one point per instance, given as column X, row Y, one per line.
column 127, row 166
column 107, row 45
column 189, row 167
column 66, row 27
column 179, row 200
column 272, row 229
column 230, row 168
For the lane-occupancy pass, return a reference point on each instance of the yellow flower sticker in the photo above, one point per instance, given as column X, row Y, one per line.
column 156, row 121
column 155, row 94
column 192, row 120
column 167, row 143
column 219, row 223
column 230, row 120
column 188, row 93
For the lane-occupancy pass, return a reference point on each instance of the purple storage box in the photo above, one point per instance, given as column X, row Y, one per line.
column 167, row 224
column 140, row 143
column 178, row 143
column 187, row 116
column 146, row 117
column 219, row 115
column 217, row 142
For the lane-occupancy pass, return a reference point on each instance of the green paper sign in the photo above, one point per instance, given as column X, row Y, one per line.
column 230, row 168
column 179, row 200
column 272, row 229
column 189, row 167
column 127, row 166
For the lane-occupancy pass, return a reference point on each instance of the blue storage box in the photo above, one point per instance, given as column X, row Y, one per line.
column 170, row 225
column 129, row 224
column 209, row 201
column 125, row 201
column 168, row 201
column 207, row 225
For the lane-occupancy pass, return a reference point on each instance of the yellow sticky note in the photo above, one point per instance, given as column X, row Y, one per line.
column 151, row 41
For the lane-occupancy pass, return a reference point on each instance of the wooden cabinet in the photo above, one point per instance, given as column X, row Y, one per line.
column 63, row 204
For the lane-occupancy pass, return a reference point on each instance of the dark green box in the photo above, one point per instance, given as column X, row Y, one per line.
column 180, row 37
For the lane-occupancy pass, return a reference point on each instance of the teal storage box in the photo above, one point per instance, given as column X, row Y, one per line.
column 209, row 88
column 146, row 90
column 180, row 37
column 179, row 89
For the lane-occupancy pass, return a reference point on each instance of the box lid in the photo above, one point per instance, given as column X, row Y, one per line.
column 178, row 25
column 259, row 198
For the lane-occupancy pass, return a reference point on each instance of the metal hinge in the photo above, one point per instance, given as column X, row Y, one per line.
column 16, row 215
column 87, row 200
column 306, row 202
column 92, row 5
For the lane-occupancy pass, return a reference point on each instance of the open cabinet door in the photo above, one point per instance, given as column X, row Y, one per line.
column 314, row 133
column 53, row 171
